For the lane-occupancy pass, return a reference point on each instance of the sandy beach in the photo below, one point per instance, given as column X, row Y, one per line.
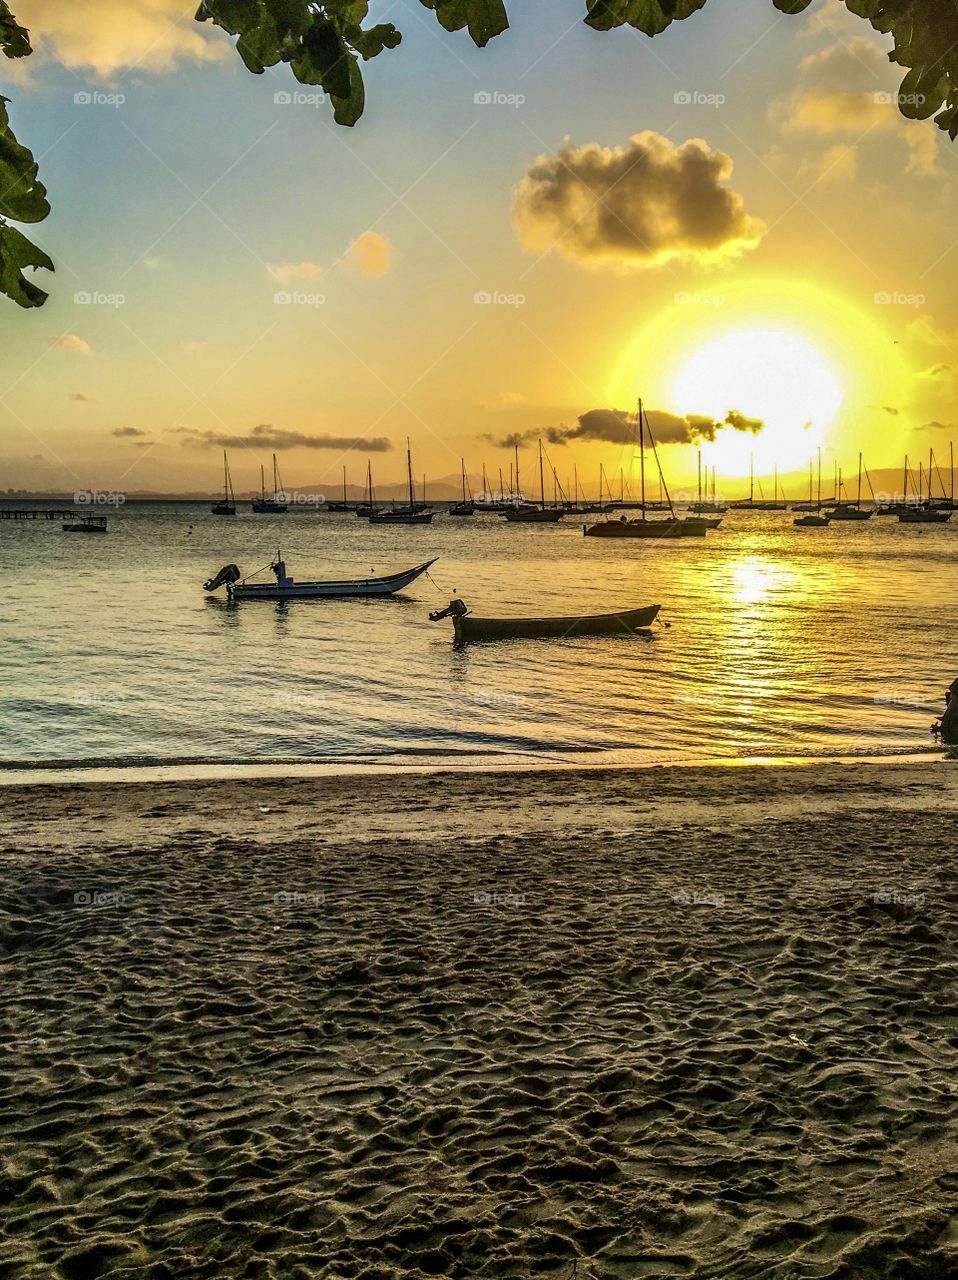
column 603, row 1025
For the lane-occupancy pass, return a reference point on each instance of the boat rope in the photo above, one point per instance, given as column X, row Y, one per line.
column 440, row 591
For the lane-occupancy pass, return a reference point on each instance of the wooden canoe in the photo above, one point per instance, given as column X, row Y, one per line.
column 470, row 628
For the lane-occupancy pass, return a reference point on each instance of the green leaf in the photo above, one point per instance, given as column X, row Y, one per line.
column 649, row 16
column 325, row 60
column 791, row 6
column 349, row 109
column 371, row 42
column 14, row 39
column 16, row 252
column 23, row 196
column 484, row 18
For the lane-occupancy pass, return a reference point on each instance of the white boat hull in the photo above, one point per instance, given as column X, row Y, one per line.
column 364, row 587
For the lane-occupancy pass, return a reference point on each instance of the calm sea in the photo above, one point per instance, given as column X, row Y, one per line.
column 777, row 642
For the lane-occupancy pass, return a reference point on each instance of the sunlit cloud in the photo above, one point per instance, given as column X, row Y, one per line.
column 619, row 426
column 266, row 436
column 635, row 206
column 70, row 342
column 369, row 254
column 285, row 272
column 108, row 36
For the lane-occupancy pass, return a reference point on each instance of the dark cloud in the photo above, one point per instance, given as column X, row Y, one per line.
column 266, row 436
column 886, row 408
column 616, row 426
column 128, row 433
column 80, row 398
column 936, row 426
column 634, row 206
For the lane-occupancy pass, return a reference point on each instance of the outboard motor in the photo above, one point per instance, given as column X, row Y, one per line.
column 227, row 575
column 456, row 608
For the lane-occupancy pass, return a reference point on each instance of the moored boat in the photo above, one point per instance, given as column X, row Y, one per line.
column 85, row 524
column 286, row 588
column 227, row 504
column 274, row 506
column 414, row 513
column 469, row 628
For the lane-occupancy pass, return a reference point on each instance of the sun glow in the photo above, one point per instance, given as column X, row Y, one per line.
column 769, row 374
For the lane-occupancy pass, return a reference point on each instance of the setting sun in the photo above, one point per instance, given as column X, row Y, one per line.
column 773, row 375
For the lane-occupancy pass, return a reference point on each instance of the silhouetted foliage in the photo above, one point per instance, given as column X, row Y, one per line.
column 324, row 43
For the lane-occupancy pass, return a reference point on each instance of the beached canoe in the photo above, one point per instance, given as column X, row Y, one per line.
column 470, row 628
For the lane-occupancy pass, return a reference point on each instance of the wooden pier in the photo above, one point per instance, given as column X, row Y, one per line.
column 37, row 513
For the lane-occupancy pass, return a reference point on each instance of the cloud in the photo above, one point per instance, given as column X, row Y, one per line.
column 152, row 264
column 106, row 36
column 936, row 426
column 70, row 342
column 266, row 436
column 619, row 426
column 850, row 89
column 512, row 397
column 369, row 254
column 80, row 398
column 886, row 408
column 128, row 433
column 937, row 371
column 284, row 272
column 635, row 206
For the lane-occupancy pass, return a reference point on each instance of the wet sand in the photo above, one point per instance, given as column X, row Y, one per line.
column 675, row 1022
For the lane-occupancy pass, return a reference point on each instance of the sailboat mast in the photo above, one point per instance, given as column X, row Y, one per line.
column 700, row 475
column 642, row 453
column 751, row 477
column 412, row 495
column 518, row 485
column 858, row 500
column 931, row 469
column 262, row 482
column 463, row 461
column 542, row 482
column 819, row 477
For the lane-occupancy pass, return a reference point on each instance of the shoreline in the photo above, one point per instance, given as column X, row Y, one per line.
column 62, row 773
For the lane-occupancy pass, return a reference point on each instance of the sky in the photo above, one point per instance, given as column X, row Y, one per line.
column 730, row 221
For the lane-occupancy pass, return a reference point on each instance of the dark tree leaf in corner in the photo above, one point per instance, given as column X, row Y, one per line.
column 14, row 39
column 484, row 18
column 23, row 196
column 649, row 16
column 16, row 252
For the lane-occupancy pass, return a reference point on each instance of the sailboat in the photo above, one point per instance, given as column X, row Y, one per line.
column 344, row 505
column 926, row 512
column 846, row 511
column 264, row 506
column 227, row 504
column 706, row 505
column 541, row 514
column 761, row 503
column 816, row 520
column 671, row 527
column 411, row 514
column 367, row 507
column 463, row 508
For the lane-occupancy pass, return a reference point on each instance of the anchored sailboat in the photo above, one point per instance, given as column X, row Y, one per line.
column 671, row 527
column 534, row 515
column 345, row 505
column 413, row 513
column 463, row 508
column 272, row 506
column 227, row 504
column 815, row 520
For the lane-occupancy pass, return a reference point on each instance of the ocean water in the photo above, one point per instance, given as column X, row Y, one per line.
column 775, row 643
